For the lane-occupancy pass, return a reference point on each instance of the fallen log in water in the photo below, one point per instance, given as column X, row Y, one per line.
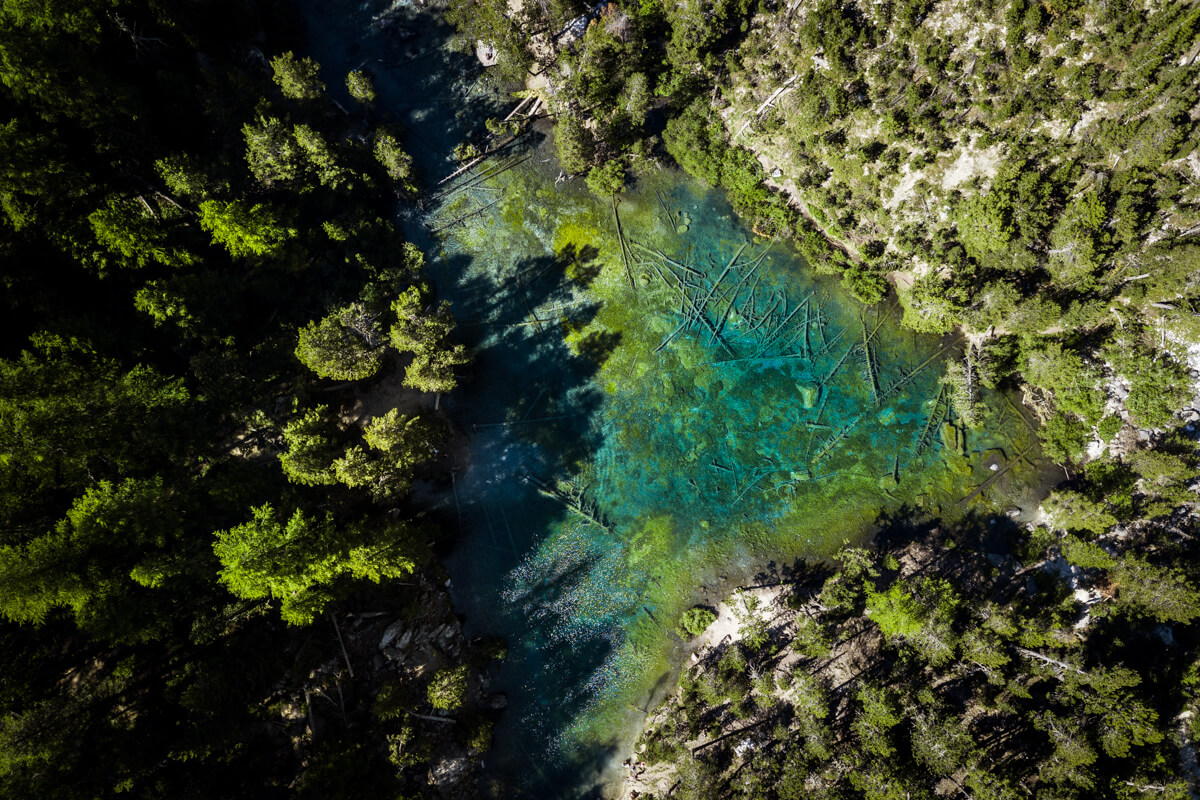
column 621, row 240
column 936, row 415
column 738, row 287
column 467, row 216
column 870, row 370
column 778, row 330
column 981, row 487
column 907, row 378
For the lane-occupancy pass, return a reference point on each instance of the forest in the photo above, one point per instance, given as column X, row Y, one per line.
column 221, row 392
column 203, row 288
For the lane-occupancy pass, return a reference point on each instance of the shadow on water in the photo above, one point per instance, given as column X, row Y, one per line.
column 616, row 451
column 527, row 389
column 528, row 406
column 529, row 410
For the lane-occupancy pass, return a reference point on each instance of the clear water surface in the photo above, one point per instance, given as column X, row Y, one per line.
column 661, row 400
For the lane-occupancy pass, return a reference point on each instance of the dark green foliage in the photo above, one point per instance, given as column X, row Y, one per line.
column 1083, row 703
column 489, row 21
column 1160, row 385
column 697, row 143
column 695, row 621
column 607, row 179
column 176, row 228
column 575, row 145
column 867, row 284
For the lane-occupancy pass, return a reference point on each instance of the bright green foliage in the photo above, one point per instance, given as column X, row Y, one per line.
column 895, row 611
column 1087, row 555
column 147, row 407
column 1109, row 427
column 480, row 740
column 357, row 468
column 695, row 621
column 272, row 152
column 929, row 305
column 607, row 179
column 402, row 444
column 322, row 160
column 399, row 435
column 1163, row 479
column 297, row 77
column 185, row 177
column 448, row 689
column 922, row 618
column 1124, row 721
column 360, row 86
column 406, row 748
column 432, row 370
column 164, row 304
column 1064, row 437
column 346, row 345
column 311, row 448
column 986, row 224
column 298, row 560
column 1159, row 383
column 1073, row 383
column 244, row 230
column 873, row 724
column 847, row 588
column 422, row 330
column 397, row 163
column 127, row 229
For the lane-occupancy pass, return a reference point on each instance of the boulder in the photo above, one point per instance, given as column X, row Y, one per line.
column 390, row 633
column 448, row 772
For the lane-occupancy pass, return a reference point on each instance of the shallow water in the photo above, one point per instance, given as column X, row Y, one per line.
column 645, row 416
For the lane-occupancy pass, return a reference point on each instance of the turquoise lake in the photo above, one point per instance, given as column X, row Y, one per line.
column 661, row 400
